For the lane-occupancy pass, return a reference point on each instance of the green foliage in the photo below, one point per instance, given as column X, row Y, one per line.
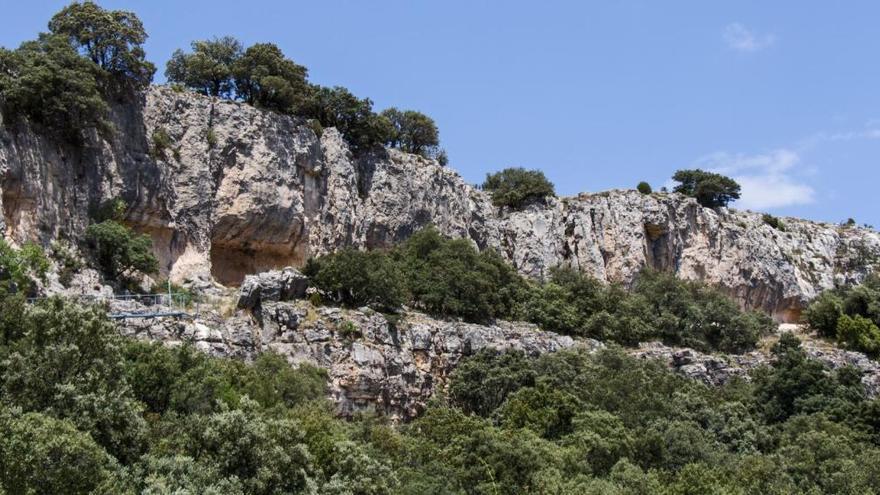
column 515, row 187
column 83, row 410
column 659, row 306
column 849, row 314
column 265, row 78
column 859, row 333
column 47, row 82
column 20, row 269
column 414, row 132
column 209, row 68
column 351, row 116
column 644, row 188
column 41, row 454
column 450, row 277
column 111, row 39
column 710, row 189
column 358, row 278
column 68, row 260
column 211, row 138
column 773, row 222
column 161, row 142
column 120, row 252
column 823, row 312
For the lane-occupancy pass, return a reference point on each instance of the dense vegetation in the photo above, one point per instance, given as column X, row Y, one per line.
column 118, row 252
column 710, row 189
column 84, row 410
column 516, row 187
column 66, row 79
column 449, row 277
column 63, row 79
column 850, row 315
column 263, row 76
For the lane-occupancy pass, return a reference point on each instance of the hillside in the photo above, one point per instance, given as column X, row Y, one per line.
column 241, row 190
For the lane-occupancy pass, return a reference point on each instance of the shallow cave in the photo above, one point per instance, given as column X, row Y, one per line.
column 230, row 263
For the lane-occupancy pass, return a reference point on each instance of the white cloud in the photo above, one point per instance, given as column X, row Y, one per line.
column 768, row 180
column 742, row 39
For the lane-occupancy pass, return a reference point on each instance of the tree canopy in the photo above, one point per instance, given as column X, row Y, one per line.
column 209, row 68
column 514, row 187
column 112, row 39
column 710, row 189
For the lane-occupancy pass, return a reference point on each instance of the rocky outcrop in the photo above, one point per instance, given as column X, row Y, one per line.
column 272, row 286
column 718, row 369
column 373, row 364
column 241, row 191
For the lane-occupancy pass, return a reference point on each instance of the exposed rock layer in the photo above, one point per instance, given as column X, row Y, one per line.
column 242, row 190
column 372, row 364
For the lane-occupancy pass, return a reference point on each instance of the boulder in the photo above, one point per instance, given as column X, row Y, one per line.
column 272, row 286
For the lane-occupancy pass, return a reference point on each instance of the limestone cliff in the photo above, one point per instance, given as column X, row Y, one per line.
column 241, row 190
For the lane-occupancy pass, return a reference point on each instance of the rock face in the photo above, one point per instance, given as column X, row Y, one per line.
column 716, row 370
column 241, row 191
column 372, row 364
column 272, row 286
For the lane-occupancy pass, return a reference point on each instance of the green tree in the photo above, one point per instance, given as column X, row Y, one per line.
column 265, row 78
column 20, row 269
column 450, row 277
column 209, row 68
column 40, row 454
column 514, row 187
column 710, row 189
column 358, row 278
column 483, row 382
column 112, row 39
column 859, row 333
column 644, row 188
column 823, row 312
column 414, row 132
column 119, row 251
column 351, row 116
column 66, row 363
column 47, row 82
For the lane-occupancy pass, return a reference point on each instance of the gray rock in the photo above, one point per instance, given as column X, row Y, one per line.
column 270, row 194
column 272, row 286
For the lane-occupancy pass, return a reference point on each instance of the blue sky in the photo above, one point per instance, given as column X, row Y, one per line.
column 784, row 96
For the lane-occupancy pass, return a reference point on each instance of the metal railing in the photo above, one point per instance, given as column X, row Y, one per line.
column 170, row 304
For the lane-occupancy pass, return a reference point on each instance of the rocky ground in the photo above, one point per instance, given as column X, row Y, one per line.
column 393, row 365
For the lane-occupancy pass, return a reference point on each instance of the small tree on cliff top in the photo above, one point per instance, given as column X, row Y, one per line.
column 710, row 189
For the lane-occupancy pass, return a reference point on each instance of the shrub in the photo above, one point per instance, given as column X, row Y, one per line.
column 450, row 277
column 208, row 69
column 413, row 132
column 211, row 138
column 47, row 82
column 69, row 262
column 773, row 222
column 859, row 333
column 120, row 252
column 644, row 188
column 823, row 312
column 20, row 269
column 358, row 278
column 514, row 187
column 710, row 190
column 161, row 143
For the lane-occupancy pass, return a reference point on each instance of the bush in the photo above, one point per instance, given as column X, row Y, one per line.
column 47, row 82
column 68, row 260
column 414, row 132
column 711, row 190
column 515, row 187
column 20, row 269
column 644, row 188
column 358, row 278
column 773, row 222
column 450, row 277
column 859, row 333
column 119, row 252
column 823, row 312
column 161, row 143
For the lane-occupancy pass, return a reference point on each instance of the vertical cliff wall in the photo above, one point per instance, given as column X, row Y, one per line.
column 241, row 190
